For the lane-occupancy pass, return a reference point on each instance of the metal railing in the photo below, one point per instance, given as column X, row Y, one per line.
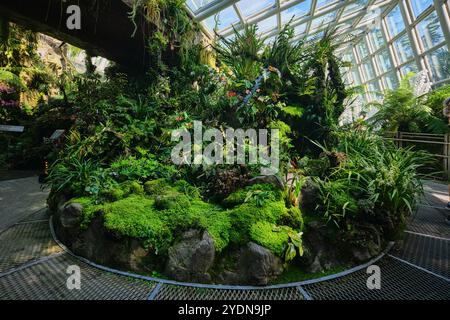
column 437, row 145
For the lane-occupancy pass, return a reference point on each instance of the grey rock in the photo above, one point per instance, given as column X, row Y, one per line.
column 273, row 180
column 258, row 265
column 71, row 215
column 361, row 254
column 192, row 257
column 309, row 195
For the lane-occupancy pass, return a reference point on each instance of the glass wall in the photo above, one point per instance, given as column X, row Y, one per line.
column 411, row 36
column 394, row 37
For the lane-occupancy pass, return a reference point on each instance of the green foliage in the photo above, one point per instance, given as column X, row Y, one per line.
column 257, row 193
column 76, row 176
column 402, row 110
column 270, row 236
column 242, row 53
column 135, row 217
column 435, row 100
column 144, row 168
column 281, row 240
column 154, row 187
column 246, row 214
column 376, row 178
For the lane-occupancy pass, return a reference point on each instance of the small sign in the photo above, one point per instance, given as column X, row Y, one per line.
column 7, row 128
column 57, row 134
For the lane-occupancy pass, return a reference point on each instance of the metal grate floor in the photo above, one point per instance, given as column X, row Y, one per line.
column 47, row 281
column 40, row 215
column 398, row 281
column 25, row 242
column 172, row 292
column 430, row 221
column 430, row 253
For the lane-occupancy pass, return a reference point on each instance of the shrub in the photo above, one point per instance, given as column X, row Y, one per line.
column 374, row 172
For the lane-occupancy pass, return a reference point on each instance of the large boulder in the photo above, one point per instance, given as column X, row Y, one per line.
column 309, row 195
column 252, row 265
column 273, row 180
column 71, row 215
column 259, row 265
column 192, row 257
column 97, row 244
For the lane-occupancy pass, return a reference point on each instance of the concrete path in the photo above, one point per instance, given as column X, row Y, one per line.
column 20, row 198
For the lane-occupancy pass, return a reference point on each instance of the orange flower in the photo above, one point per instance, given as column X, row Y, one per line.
column 231, row 94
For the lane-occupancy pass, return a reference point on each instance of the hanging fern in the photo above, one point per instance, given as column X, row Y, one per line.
column 11, row 79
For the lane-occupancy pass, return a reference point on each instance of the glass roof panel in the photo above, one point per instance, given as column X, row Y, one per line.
column 323, row 3
column 225, row 19
column 300, row 29
column 321, row 21
column 418, row 6
column 252, row 7
column 354, row 7
column 430, row 31
column 395, row 22
column 195, row 5
column 297, row 11
column 267, row 24
column 377, row 39
column 403, row 49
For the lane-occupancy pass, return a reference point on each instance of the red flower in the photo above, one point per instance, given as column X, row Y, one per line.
column 180, row 118
column 231, row 94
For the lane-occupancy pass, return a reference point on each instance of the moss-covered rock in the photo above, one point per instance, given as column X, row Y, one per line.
column 89, row 210
column 113, row 194
column 293, row 218
column 136, row 217
column 172, row 201
column 247, row 214
column 133, row 187
column 156, row 187
column 248, row 194
column 270, row 236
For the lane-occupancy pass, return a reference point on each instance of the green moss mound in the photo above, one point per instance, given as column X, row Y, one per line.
column 270, row 236
column 247, row 214
column 155, row 187
column 247, row 194
column 136, row 217
column 158, row 214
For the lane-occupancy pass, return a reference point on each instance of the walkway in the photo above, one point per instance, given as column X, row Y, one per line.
column 33, row 265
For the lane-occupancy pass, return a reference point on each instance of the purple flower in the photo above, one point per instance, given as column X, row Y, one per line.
column 9, row 103
column 6, row 89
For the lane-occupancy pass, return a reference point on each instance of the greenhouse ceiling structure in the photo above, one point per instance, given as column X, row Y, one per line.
column 389, row 38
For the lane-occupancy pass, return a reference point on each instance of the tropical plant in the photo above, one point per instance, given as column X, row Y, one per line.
column 242, row 53
column 376, row 179
column 402, row 110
